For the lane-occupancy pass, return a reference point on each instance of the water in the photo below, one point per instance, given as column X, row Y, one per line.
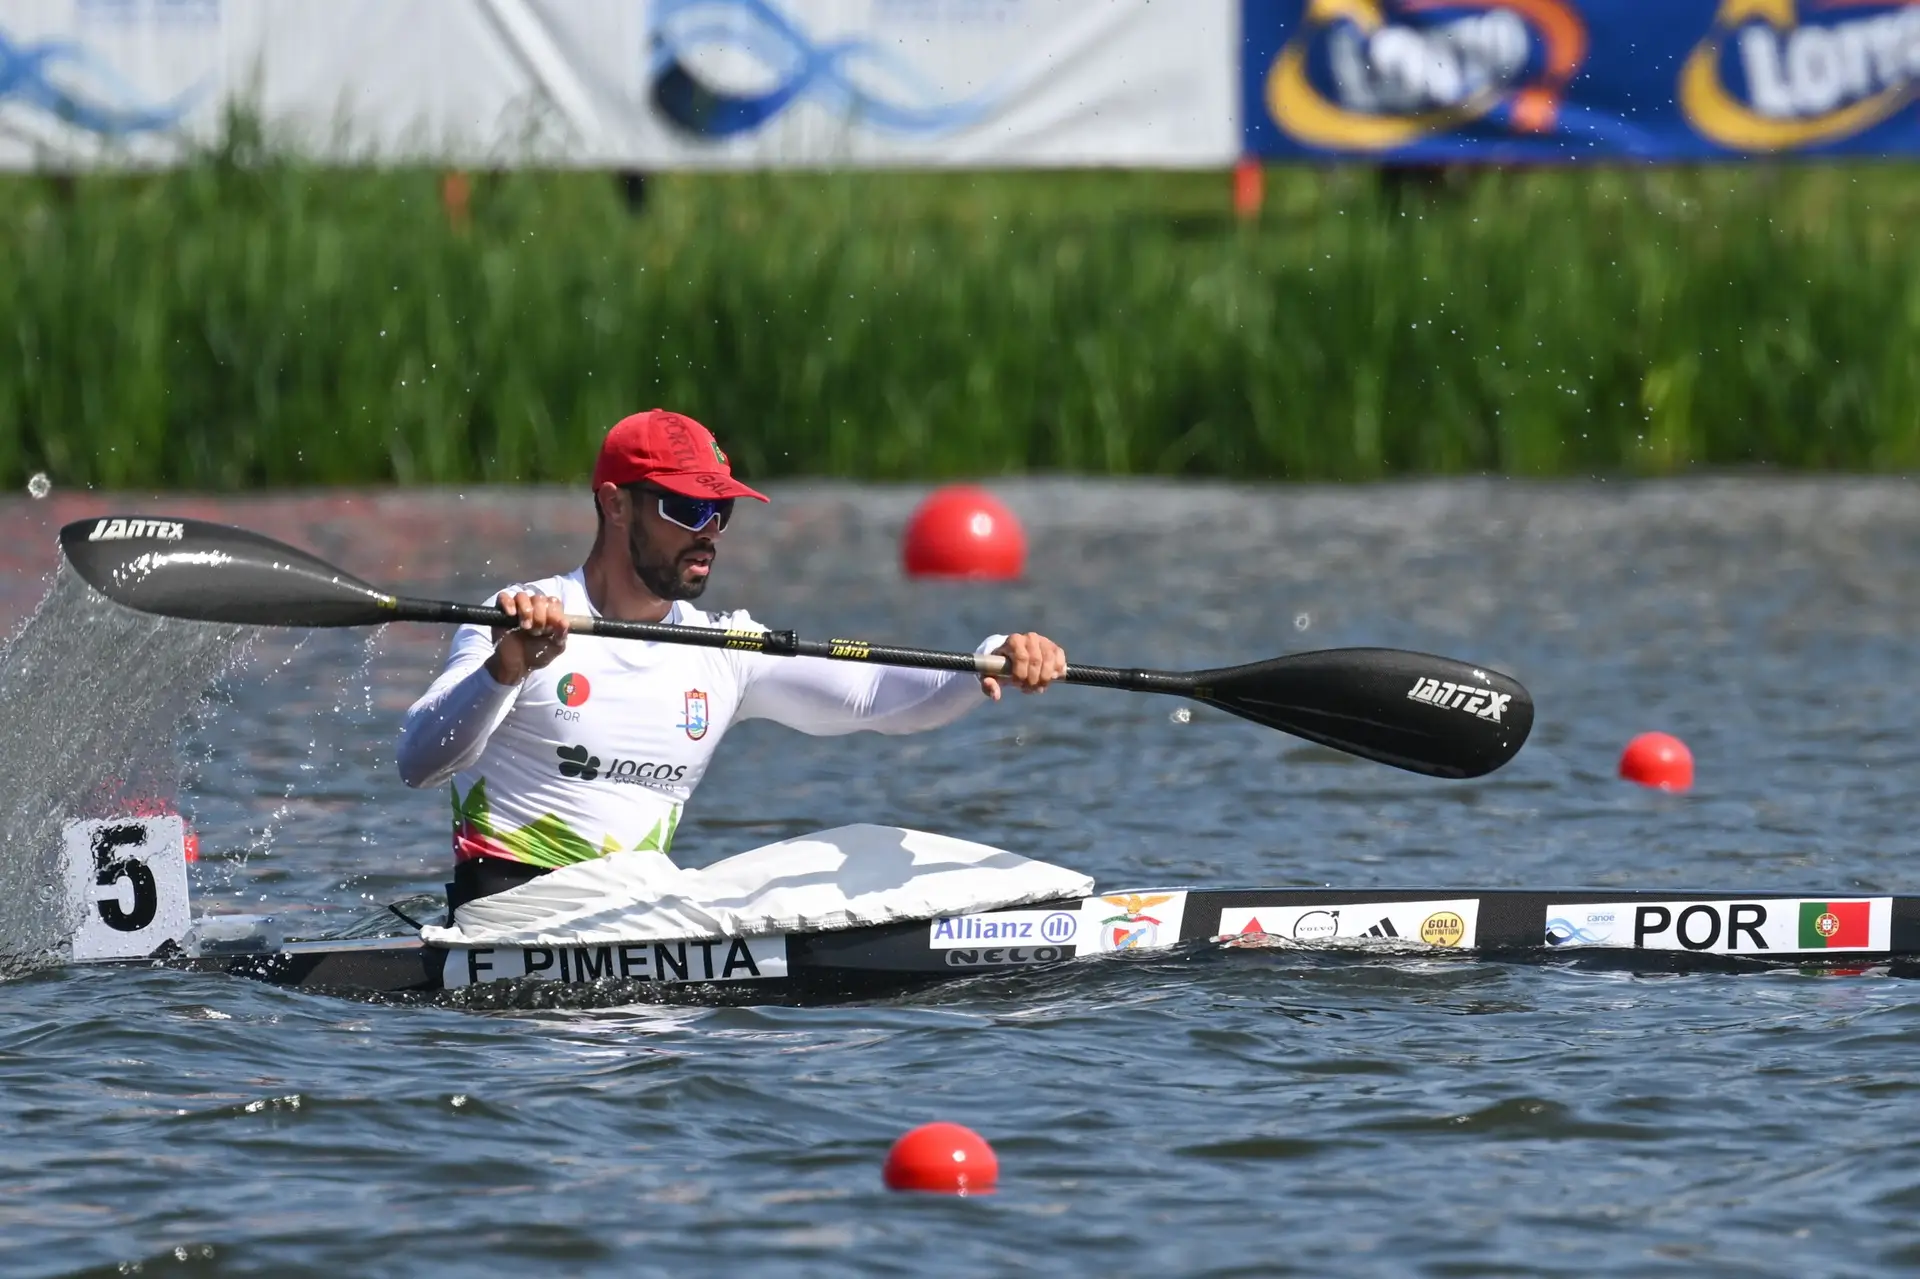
column 1234, row 1113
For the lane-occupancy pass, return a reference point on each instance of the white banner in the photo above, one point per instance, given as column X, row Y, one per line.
column 642, row 84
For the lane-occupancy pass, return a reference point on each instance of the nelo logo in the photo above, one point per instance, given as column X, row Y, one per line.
column 992, row 956
column 1765, row 79
column 1372, row 75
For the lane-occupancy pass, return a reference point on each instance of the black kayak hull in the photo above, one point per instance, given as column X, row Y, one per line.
column 1639, row 931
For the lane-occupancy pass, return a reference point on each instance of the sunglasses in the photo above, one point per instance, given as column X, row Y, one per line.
column 695, row 513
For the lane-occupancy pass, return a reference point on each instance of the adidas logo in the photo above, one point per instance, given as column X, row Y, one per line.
column 576, row 762
column 1384, row 928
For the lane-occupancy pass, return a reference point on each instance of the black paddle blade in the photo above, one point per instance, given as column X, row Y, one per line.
column 1429, row 715
column 212, row 573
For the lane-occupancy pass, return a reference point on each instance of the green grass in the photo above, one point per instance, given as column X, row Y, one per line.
column 232, row 325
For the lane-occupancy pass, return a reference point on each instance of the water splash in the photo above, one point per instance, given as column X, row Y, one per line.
column 95, row 695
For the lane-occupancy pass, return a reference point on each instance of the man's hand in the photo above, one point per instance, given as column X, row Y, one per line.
column 539, row 636
column 1033, row 662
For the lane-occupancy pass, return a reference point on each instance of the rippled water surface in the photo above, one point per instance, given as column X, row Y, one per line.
column 1245, row 1112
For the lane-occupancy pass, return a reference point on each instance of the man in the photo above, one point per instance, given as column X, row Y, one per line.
column 560, row 751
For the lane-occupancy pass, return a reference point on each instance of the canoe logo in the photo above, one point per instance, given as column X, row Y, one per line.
column 1443, row 928
column 724, row 68
column 1764, row 78
column 573, row 689
column 695, row 723
column 71, row 83
column 1595, row 928
column 1134, row 928
column 1372, row 75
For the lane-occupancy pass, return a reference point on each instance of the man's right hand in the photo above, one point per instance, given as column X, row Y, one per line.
column 538, row 636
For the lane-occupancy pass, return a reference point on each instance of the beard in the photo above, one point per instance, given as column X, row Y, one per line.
column 665, row 576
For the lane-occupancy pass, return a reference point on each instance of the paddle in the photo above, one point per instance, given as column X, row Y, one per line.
column 1425, row 714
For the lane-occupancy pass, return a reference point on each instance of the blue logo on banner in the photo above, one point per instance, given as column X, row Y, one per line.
column 40, row 75
column 860, row 80
column 1433, row 81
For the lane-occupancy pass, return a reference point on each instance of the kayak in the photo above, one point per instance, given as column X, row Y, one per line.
column 1647, row 931
column 835, row 952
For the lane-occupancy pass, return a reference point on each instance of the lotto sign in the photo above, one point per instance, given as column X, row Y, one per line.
column 127, row 885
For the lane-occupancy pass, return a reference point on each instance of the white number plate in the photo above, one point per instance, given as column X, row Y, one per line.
column 126, row 885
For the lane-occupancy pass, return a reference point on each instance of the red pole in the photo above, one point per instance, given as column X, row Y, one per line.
column 1249, row 188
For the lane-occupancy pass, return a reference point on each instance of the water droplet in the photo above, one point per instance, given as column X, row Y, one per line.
column 39, row 486
column 1301, row 621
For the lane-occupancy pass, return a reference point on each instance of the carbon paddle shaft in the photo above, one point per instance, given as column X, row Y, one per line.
column 789, row 644
column 1415, row 711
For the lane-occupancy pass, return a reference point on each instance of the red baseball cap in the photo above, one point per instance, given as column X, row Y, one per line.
column 671, row 450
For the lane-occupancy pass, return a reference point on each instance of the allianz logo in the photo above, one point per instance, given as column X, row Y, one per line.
column 1401, row 68
column 1481, row 702
column 1811, row 70
column 121, row 529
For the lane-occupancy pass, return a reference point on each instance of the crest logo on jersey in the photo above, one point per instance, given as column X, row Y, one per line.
column 695, row 723
column 573, row 689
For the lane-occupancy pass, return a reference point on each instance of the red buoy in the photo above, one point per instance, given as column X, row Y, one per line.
column 942, row 1158
column 963, row 531
column 1659, row 761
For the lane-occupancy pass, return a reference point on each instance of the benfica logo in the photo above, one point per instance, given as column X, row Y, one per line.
column 695, row 723
column 1134, row 928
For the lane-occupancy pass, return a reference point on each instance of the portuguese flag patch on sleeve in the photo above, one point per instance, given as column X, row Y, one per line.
column 1825, row 924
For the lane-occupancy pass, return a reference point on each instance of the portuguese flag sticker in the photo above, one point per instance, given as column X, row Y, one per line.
column 1830, row 924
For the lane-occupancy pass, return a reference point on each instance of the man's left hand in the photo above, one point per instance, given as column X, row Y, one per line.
column 1033, row 662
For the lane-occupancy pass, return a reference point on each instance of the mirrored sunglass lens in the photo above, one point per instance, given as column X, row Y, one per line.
column 694, row 512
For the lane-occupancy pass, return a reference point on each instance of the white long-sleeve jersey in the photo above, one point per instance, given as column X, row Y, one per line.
column 602, row 749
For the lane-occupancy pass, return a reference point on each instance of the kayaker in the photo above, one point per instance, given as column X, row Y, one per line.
column 559, row 752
